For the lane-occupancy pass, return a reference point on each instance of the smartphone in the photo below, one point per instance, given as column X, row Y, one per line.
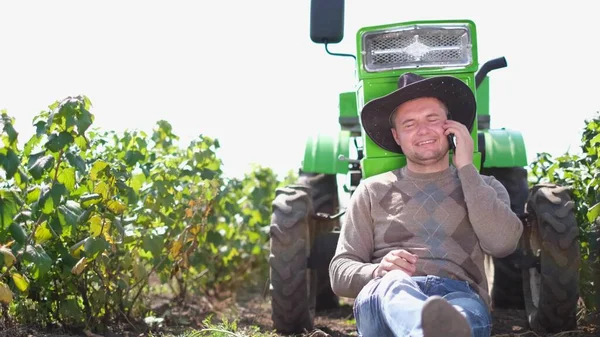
column 451, row 141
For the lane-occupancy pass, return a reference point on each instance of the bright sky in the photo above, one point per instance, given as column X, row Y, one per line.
column 246, row 73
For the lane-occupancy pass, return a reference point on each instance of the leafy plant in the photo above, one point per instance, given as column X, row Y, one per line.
column 88, row 218
column 582, row 174
column 226, row 328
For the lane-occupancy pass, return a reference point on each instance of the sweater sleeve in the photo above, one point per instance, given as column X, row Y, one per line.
column 351, row 268
column 495, row 224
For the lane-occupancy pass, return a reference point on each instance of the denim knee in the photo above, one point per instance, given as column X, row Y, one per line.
column 474, row 309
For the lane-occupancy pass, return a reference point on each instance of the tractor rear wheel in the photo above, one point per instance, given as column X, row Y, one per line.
column 299, row 289
column 293, row 285
column 507, row 288
column 550, row 238
column 325, row 200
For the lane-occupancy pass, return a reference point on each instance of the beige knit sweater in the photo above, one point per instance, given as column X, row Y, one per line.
column 449, row 219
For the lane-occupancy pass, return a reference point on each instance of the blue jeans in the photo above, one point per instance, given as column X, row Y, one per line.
column 391, row 305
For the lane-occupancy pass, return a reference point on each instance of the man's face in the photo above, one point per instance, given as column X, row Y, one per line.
column 418, row 130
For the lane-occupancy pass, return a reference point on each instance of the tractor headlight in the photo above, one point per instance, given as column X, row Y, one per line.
column 447, row 45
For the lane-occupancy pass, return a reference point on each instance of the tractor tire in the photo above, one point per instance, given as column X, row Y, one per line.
column 507, row 288
column 324, row 196
column 293, row 285
column 551, row 287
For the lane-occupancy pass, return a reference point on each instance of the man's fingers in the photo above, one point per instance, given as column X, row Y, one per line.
column 402, row 263
column 397, row 259
column 385, row 268
column 412, row 258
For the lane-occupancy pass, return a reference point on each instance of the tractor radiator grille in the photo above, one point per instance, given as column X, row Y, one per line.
column 417, row 46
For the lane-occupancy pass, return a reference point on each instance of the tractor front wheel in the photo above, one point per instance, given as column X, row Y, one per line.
column 550, row 241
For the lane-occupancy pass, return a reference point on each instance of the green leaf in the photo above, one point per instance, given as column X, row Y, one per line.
column 9, row 207
column 21, row 178
column 42, row 233
column 94, row 246
column 69, row 213
column 137, row 181
column 70, row 308
column 56, row 227
column 116, row 206
column 40, row 261
column 76, row 161
column 58, row 142
column 214, row 237
column 40, row 165
column 153, row 244
column 103, row 189
column 98, row 225
column 41, row 127
column 33, row 194
column 81, row 142
column 46, row 202
column 84, row 120
column 595, row 140
column 10, row 163
column 139, row 272
column 21, row 281
column 77, row 248
column 67, row 220
column 9, row 129
column 65, row 117
column 66, row 176
column 84, row 216
column 593, row 213
column 17, row 232
column 57, row 191
column 133, row 157
column 90, row 199
column 99, row 170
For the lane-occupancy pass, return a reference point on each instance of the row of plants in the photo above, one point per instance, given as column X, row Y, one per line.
column 88, row 217
column 581, row 173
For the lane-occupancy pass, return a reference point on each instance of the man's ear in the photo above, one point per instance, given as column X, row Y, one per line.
column 395, row 134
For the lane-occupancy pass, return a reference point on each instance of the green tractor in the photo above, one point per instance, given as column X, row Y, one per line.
column 541, row 276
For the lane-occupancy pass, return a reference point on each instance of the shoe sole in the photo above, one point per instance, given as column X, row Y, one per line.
column 440, row 319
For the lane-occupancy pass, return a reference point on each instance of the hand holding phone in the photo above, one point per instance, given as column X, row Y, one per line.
column 451, row 142
column 459, row 139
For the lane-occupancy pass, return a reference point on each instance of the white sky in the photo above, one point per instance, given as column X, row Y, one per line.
column 246, row 72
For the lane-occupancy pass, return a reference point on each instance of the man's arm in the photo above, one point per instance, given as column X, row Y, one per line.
column 351, row 268
column 496, row 225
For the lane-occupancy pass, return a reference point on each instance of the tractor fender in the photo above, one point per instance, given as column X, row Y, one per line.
column 502, row 148
column 322, row 153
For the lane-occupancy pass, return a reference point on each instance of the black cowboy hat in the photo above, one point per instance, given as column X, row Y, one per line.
column 453, row 92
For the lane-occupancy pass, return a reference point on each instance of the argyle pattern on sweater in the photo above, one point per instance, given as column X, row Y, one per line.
column 449, row 219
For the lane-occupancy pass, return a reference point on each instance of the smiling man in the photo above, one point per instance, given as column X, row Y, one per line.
column 412, row 245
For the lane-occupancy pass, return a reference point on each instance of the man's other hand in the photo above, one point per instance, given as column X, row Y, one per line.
column 397, row 259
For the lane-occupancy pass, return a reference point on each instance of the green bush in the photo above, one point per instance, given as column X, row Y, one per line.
column 580, row 172
column 89, row 218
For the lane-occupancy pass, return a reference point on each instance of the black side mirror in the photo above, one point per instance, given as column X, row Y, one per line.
column 327, row 21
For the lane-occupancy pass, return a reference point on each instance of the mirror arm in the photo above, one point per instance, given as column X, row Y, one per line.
column 336, row 54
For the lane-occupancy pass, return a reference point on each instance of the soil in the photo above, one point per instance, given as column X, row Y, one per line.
column 253, row 309
column 340, row 323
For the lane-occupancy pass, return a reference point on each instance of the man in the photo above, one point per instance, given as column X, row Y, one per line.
column 411, row 248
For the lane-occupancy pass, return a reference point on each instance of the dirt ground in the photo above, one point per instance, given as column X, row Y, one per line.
column 340, row 323
column 254, row 309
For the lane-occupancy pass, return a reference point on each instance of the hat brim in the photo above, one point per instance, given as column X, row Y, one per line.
column 454, row 93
